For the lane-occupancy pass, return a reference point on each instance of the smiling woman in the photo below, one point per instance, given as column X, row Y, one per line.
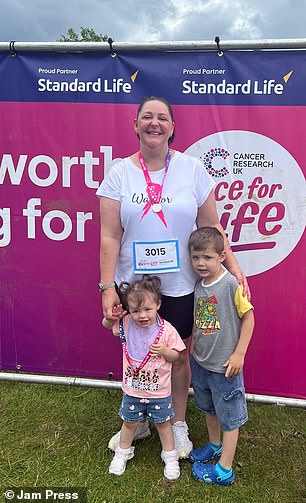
column 150, row 203
column 155, row 118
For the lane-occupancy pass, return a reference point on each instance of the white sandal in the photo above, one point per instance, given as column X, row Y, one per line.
column 172, row 468
column 118, row 464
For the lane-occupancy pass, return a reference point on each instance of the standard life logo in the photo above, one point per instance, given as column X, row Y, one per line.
column 76, row 85
column 100, row 85
column 224, row 87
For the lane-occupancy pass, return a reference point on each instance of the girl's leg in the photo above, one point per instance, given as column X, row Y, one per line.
column 142, row 431
column 127, row 434
column 166, row 435
column 124, row 451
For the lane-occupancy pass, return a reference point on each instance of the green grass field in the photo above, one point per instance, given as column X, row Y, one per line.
column 56, row 436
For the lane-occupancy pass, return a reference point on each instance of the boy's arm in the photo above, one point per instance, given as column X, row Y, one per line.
column 235, row 362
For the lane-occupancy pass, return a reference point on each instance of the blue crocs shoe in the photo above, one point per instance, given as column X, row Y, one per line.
column 209, row 475
column 205, row 454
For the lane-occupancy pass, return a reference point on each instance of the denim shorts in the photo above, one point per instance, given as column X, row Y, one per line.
column 218, row 395
column 157, row 410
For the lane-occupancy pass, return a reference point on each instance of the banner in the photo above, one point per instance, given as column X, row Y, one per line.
column 65, row 118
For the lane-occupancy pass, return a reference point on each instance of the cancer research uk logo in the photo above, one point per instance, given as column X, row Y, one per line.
column 260, row 195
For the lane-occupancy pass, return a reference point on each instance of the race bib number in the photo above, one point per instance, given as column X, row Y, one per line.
column 156, row 256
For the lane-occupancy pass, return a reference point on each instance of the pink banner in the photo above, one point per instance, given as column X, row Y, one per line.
column 53, row 157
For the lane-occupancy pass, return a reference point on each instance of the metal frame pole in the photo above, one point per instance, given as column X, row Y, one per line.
column 194, row 46
column 101, row 383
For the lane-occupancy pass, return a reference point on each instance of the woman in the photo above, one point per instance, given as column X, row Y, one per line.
column 150, row 203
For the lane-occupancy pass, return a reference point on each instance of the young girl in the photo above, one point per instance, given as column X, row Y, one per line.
column 150, row 345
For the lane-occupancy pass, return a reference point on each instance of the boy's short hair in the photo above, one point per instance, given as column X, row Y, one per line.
column 202, row 238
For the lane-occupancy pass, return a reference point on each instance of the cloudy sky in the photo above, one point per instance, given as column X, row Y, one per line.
column 144, row 20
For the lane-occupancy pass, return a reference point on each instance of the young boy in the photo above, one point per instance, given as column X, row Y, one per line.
column 223, row 327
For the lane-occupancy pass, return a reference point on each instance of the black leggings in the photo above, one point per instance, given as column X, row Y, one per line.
column 179, row 312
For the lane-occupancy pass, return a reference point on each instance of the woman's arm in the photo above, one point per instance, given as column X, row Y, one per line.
column 110, row 242
column 207, row 216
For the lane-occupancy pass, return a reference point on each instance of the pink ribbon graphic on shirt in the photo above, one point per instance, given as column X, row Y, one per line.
column 154, row 192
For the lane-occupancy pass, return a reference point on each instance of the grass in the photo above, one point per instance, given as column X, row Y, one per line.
column 57, row 436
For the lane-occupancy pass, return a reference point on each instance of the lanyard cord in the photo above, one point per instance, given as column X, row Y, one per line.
column 147, row 174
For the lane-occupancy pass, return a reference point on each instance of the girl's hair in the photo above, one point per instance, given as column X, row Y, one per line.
column 165, row 102
column 138, row 289
column 202, row 238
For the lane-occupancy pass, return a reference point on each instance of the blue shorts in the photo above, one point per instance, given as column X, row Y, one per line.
column 157, row 410
column 218, row 395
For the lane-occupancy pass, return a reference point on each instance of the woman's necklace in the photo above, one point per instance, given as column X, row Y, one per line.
column 135, row 369
column 154, row 190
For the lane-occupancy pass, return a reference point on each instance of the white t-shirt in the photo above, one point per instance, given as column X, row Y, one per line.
column 186, row 187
